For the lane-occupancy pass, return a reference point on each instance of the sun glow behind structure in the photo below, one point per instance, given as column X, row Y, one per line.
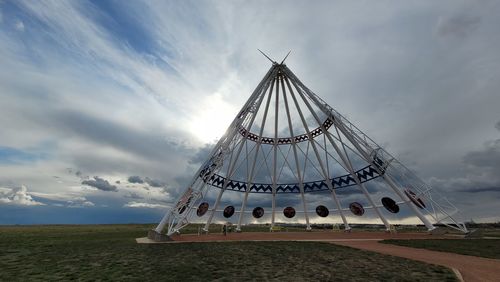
column 210, row 121
column 286, row 141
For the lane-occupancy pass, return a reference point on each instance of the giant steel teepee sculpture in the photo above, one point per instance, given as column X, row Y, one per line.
column 288, row 144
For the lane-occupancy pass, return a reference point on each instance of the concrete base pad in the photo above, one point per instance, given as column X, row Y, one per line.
column 289, row 236
column 158, row 237
column 438, row 231
column 145, row 240
column 476, row 233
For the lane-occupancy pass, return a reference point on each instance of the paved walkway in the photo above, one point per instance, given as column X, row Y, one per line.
column 471, row 268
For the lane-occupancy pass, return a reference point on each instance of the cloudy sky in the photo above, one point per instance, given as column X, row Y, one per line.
column 107, row 107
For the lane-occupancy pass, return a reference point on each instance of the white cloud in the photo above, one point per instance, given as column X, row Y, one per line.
column 134, row 204
column 19, row 25
column 18, row 196
column 61, row 197
column 93, row 102
column 66, row 199
column 79, row 204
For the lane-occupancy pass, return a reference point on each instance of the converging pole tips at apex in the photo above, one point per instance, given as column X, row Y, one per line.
column 271, row 60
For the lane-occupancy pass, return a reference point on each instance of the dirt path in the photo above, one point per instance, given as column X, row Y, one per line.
column 471, row 268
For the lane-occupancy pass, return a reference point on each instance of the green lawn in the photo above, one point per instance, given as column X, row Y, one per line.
column 488, row 248
column 490, row 232
column 109, row 252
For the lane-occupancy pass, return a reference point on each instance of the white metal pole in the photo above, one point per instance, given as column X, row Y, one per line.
column 257, row 150
column 345, row 158
column 232, row 165
column 299, row 174
column 275, row 151
column 325, row 174
column 229, row 167
column 386, row 177
column 163, row 222
column 170, row 216
column 365, row 155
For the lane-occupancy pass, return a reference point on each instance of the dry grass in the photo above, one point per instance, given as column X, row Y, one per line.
column 488, row 248
column 109, row 252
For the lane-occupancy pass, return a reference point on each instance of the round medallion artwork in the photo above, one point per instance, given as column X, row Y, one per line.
column 228, row 211
column 289, row 212
column 322, row 211
column 202, row 209
column 415, row 200
column 390, row 205
column 258, row 212
column 182, row 209
column 357, row 209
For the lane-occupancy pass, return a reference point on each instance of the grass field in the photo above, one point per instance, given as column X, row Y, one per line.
column 488, row 248
column 490, row 232
column 109, row 252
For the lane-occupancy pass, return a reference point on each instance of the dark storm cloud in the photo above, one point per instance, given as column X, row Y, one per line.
column 202, row 154
column 154, row 182
column 100, row 184
column 480, row 190
column 458, row 25
column 145, row 144
column 151, row 182
column 133, row 196
column 489, row 157
column 132, row 149
column 135, row 179
column 497, row 125
column 478, row 181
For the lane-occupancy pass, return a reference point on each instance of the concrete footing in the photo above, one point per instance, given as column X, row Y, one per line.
column 158, row 237
column 438, row 231
column 476, row 233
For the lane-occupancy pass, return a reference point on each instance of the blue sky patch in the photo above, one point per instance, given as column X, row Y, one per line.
column 10, row 155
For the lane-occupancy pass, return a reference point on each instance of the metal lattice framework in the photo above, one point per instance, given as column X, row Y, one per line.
column 287, row 140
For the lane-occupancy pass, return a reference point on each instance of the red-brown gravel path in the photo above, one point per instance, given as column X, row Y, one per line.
column 300, row 236
column 470, row 267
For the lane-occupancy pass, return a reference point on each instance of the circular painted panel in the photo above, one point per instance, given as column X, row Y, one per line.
column 289, row 212
column 357, row 209
column 202, row 209
column 258, row 212
column 390, row 205
column 322, row 211
column 415, row 200
column 228, row 211
column 182, row 209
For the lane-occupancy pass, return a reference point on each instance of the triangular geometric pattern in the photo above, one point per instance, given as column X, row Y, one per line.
column 287, row 142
